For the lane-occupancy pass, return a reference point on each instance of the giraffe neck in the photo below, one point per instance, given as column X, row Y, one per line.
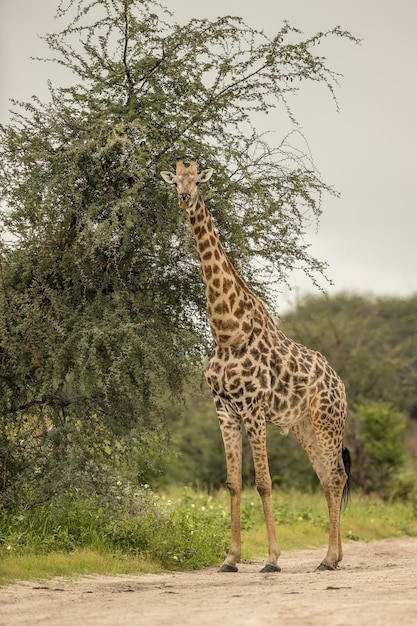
column 230, row 302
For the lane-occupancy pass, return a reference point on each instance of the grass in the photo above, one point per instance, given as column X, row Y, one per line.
column 82, row 562
column 193, row 533
column 130, row 529
column 302, row 522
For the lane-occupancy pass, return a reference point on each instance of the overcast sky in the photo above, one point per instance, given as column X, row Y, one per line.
column 367, row 151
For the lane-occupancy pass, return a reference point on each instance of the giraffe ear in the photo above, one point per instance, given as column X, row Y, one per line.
column 168, row 177
column 205, row 175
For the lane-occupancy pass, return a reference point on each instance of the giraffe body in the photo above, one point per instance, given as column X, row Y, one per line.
column 257, row 376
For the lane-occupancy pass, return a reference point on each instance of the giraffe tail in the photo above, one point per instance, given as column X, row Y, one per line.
column 347, row 462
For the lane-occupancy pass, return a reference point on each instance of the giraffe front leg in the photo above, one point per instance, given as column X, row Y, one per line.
column 231, row 430
column 257, row 440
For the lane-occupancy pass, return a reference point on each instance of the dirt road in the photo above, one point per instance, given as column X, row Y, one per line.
column 376, row 584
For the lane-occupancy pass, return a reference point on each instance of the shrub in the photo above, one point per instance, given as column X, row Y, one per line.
column 380, row 446
column 127, row 521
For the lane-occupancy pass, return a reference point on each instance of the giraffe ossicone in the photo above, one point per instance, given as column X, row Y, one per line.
column 257, row 376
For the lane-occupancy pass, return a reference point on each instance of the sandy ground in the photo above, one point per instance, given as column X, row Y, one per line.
column 376, row 584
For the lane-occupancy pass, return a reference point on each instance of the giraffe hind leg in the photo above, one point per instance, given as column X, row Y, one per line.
column 344, row 500
column 333, row 480
column 330, row 467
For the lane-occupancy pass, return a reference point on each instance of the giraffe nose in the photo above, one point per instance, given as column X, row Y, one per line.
column 185, row 198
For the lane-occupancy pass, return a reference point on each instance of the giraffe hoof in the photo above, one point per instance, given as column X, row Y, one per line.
column 228, row 568
column 324, row 567
column 270, row 568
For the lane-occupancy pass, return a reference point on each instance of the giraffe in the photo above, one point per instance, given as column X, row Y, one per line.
column 257, row 376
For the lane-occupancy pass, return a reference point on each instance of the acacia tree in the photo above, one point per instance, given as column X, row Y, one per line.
column 102, row 306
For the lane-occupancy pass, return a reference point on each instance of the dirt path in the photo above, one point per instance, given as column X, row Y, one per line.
column 376, row 584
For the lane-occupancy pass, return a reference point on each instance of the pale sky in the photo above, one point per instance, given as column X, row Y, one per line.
column 367, row 151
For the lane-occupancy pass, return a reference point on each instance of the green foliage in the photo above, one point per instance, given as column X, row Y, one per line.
column 372, row 343
column 381, row 432
column 135, row 530
column 124, row 521
column 200, row 462
column 196, row 438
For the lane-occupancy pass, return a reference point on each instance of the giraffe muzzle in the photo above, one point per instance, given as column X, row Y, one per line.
column 184, row 200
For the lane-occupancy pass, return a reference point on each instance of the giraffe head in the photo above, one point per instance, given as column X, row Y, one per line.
column 186, row 179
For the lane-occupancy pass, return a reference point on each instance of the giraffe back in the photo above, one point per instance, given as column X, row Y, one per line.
column 289, row 380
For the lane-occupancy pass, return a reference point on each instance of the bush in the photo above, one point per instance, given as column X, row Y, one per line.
column 129, row 522
column 380, row 446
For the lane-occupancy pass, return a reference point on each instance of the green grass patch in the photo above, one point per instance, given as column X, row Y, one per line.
column 302, row 521
column 83, row 562
column 140, row 526
column 139, row 531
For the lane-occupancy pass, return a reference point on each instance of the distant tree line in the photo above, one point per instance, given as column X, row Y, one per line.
column 372, row 343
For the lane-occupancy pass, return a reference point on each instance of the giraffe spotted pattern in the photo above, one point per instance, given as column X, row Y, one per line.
column 257, row 376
